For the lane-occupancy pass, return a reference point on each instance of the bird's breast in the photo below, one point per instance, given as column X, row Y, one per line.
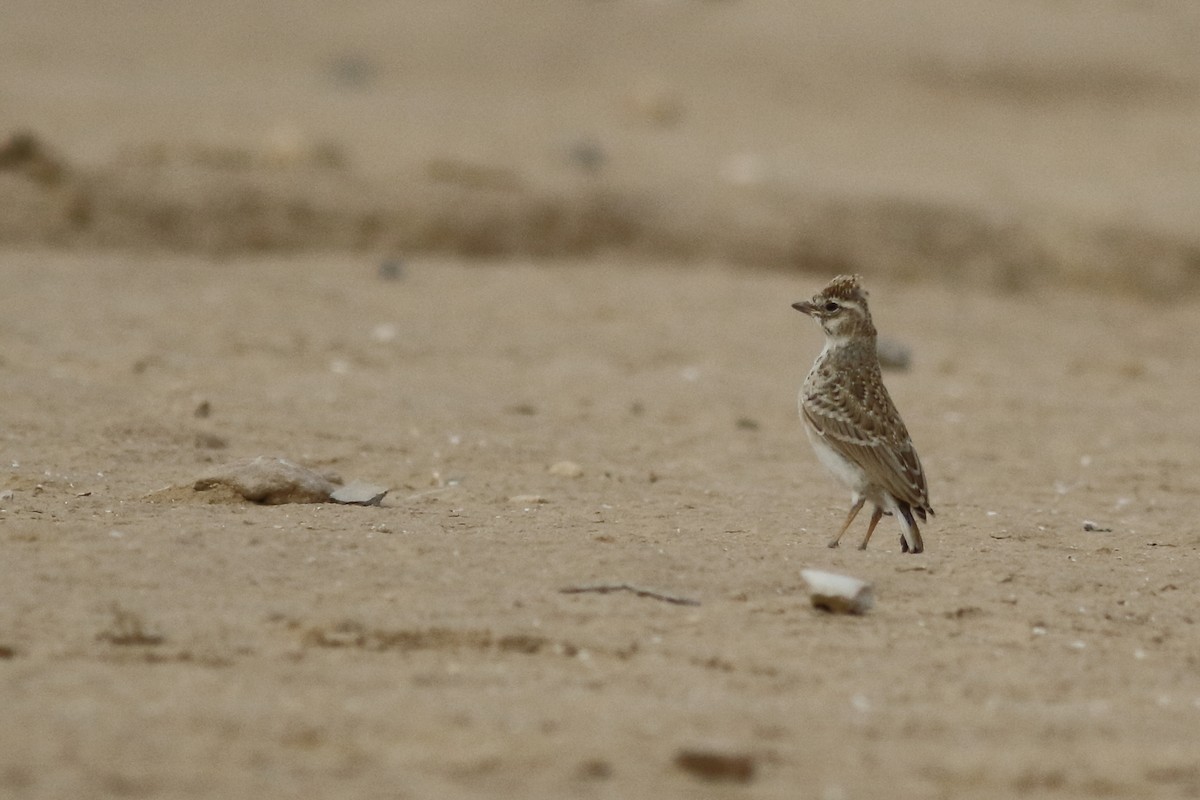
column 843, row 469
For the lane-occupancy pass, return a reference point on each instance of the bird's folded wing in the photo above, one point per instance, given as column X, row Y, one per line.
column 881, row 447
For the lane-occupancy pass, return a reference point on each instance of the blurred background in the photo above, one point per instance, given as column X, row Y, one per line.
column 1015, row 144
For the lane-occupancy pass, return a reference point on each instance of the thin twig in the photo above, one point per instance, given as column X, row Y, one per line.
column 606, row 588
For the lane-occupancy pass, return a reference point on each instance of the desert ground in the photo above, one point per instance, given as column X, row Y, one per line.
column 529, row 266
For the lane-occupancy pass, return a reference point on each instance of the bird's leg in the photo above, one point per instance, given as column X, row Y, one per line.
column 854, row 509
column 875, row 517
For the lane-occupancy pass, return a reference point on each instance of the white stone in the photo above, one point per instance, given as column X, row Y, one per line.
column 839, row 594
column 566, row 469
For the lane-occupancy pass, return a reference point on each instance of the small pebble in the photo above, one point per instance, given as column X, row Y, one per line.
column 524, row 409
column 391, row 269
column 716, row 765
column 838, row 594
column 595, row 769
column 566, row 469
column 587, row 154
column 357, row 493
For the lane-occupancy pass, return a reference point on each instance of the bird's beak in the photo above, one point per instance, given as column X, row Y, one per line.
column 804, row 307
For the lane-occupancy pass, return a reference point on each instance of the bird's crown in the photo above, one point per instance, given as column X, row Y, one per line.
column 846, row 287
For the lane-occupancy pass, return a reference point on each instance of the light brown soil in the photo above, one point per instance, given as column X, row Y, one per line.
column 160, row 642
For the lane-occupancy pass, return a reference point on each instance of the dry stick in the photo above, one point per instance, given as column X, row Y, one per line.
column 605, row 588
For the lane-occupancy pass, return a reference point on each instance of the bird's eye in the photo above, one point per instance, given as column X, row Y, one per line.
column 831, row 307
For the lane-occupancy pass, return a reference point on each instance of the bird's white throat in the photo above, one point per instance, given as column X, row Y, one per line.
column 834, row 341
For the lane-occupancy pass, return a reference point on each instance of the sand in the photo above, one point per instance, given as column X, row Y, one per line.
column 574, row 375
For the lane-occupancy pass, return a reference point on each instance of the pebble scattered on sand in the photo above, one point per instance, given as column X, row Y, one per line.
column 391, row 269
column 587, row 154
column 716, row 764
column 358, row 493
column 528, row 499
column 566, row 469
column 838, row 594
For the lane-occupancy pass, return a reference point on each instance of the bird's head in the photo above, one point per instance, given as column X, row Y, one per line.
column 840, row 308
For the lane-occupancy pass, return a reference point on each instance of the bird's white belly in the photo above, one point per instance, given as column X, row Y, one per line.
column 847, row 472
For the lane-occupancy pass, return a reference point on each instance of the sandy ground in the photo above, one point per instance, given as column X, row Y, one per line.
column 177, row 647
column 236, row 237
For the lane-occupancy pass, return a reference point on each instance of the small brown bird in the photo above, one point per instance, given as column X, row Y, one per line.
column 850, row 418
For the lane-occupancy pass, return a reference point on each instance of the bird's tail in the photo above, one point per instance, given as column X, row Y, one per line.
column 910, row 539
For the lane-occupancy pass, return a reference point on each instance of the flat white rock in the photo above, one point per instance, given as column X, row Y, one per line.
column 357, row 493
column 838, row 594
column 565, row 469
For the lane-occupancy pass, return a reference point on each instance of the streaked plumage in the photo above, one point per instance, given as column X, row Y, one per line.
column 851, row 420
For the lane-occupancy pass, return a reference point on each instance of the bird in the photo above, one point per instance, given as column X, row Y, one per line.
column 851, row 421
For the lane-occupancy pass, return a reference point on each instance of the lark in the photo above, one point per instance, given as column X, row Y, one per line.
column 851, row 420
